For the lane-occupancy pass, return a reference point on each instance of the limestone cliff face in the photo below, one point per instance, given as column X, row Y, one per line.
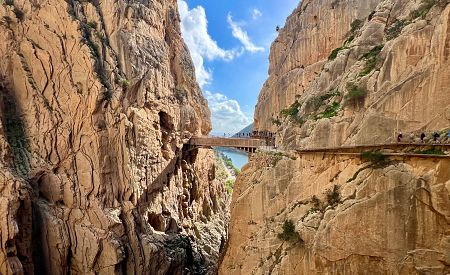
column 97, row 99
column 352, row 72
column 391, row 219
column 342, row 73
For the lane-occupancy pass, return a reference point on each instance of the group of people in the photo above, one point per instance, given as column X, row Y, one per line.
column 269, row 137
column 435, row 136
column 254, row 134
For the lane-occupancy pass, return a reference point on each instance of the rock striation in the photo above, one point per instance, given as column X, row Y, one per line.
column 390, row 219
column 348, row 73
column 352, row 72
column 97, row 99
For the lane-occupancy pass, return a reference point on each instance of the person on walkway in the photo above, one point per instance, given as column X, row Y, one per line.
column 399, row 137
column 422, row 137
column 436, row 136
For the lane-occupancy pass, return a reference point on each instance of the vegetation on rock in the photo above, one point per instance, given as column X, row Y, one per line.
column 333, row 196
column 423, row 9
column 289, row 233
column 373, row 156
column 355, row 93
column 371, row 60
column 229, row 184
column 433, row 151
column 292, row 113
column 330, row 111
column 395, row 29
column 354, row 27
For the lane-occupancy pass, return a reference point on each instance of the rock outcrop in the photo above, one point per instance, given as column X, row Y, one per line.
column 348, row 73
column 352, row 72
column 387, row 219
column 97, row 100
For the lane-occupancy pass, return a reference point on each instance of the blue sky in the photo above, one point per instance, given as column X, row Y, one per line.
column 229, row 42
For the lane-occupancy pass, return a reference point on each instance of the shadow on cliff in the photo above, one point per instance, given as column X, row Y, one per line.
column 14, row 130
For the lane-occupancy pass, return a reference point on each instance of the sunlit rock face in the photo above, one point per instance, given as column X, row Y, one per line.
column 345, row 73
column 389, row 219
column 97, row 100
column 383, row 63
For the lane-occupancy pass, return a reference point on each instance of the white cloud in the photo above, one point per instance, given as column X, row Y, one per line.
column 242, row 36
column 194, row 28
column 227, row 116
column 256, row 14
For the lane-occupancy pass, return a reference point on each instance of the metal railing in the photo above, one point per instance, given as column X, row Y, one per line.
column 227, row 142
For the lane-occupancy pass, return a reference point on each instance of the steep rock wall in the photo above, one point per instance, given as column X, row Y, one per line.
column 387, row 74
column 98, row 98
column 384, row 71
column 390, row 219
column 297, row 56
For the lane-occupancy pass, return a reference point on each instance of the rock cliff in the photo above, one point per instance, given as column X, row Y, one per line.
column 390, row 219
column 352, row 72
column 97, row 99
column 343, row 73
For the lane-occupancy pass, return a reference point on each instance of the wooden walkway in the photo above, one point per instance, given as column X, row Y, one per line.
column 377, row 147
column 245, row 144
column 252, row 144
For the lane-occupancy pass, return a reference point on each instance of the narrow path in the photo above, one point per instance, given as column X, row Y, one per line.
column 435, row 150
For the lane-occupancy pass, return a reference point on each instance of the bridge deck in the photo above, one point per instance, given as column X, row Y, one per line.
column 227, row 142
column 252, row 144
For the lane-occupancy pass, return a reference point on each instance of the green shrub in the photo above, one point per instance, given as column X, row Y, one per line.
column 229, row 184
column 276, row 121
column 125, row 83
column 298, row 120
column 373, row 156
column 292, row 113
column 423, row 9
column 292, row 110
column 330, row 111
column 19, row 14
column 395, row 29
column 289, row 233
column 317, row 204
column 355, row 93
column 275, row 158
column 318, row 101
column 92, row 24
column 333, row 196
column 433, row 151
column 9, row 2
column 107, row 95
column 356, row 25
column 335, row 52
column 371, row 59
column 180, row 93
column 230, row 165
column 14, row 129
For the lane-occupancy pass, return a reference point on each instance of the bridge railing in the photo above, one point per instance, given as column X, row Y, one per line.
column 383, row 146
column 227, row 142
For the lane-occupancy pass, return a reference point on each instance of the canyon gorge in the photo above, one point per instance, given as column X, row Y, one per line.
column 99, row 100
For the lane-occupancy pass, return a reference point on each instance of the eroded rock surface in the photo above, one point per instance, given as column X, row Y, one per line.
column 360, row 72
column 97, row 100
column 389, row 219
column 348, row 73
